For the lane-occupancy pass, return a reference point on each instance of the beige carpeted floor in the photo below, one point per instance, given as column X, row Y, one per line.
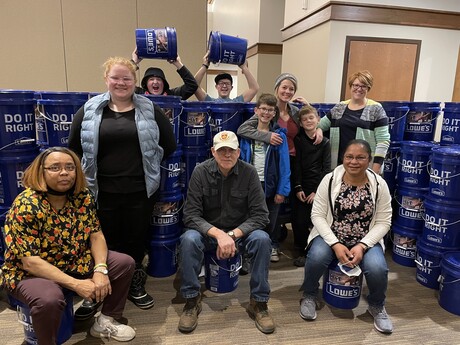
column 414, row 309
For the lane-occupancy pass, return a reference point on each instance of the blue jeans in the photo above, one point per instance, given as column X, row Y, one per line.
column 193, row 244
column 373, row 265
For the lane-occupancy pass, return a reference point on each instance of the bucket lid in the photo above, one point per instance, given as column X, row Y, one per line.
column 452, row 106
column 163, row 99
column 404, row 230
column 427, row 106
column 16, row 94
column 433, row 249
column 439, row 204
column 395, row 105
column 452, row 260
column 446, row 151
column 422, row 145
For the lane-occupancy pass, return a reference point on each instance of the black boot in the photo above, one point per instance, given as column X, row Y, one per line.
column 87, row 310
column 137, row 293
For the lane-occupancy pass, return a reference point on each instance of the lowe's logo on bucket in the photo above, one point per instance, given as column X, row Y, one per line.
column 438, row 192
column 150, row 38
column 433, row 238
column 343, row 292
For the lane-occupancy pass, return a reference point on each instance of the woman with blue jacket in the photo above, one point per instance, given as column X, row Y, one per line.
column 272, row 164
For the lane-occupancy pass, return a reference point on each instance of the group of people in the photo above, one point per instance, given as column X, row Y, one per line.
column 82, row 222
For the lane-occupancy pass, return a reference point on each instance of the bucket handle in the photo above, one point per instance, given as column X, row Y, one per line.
column 409, row 209
column 443, row 178
column 428, row 163
column 174, row 213
column 402, row 117
column 197, row 126
column 231, row 271
column 393, row 242
column 393, row 158
column 20, row 141
column 429, row 121
column 447, row 224
column 231, row 117
column 420, row 265
column 41, row 114
column 441, row 280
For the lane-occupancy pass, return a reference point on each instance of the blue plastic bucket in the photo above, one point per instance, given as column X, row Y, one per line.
column 172, row 108
column 404, row 245
column 191, row 158
column 450, row 131
column 390, row 165
column 324, row 108
column 410, row 208
column 449, row 285
column 428, row 263
column 442, row 223
column 165, row 221
column 396, row 112
column 227, row 49
column 340, row 290
column 12, row 167
column 2, row 240
column 194, row 125
column 445, row 173
column 163, row 257
column 65, row 329
column 421, row 121
column 247, row 111
column 170, row 173
column 17, row 120
column 160, row 43
column 225, row 117
column 413, row 167
column 82, row 97
column 221, row 275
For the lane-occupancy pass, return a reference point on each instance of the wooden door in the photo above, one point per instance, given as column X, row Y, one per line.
column 456, row 93
column 392, row 62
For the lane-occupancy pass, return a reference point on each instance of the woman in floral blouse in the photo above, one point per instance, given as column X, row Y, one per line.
column 54, row 242
column 351, row 215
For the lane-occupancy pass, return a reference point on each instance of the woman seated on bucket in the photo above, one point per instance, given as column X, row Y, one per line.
column 54, row 242
column 351, row 215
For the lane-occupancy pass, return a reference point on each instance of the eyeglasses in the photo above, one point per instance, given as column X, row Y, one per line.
column 58, row 168
column 358, row 86
column 267, row 110
column 360, row 159
column 224, row 83
column 126, row 80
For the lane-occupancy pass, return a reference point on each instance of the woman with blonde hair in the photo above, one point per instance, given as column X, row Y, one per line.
column 122, row 137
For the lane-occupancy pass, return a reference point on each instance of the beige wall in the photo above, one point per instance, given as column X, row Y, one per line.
column 61, row 44
column 297, row 9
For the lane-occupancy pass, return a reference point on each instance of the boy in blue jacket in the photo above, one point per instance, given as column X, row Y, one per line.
column 272, row 164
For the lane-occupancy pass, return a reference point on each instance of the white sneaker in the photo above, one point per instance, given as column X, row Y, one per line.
column 106, row 327
column 274, row 256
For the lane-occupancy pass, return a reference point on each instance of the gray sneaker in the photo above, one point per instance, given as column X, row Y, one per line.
column 382, row 322
column 308, row 308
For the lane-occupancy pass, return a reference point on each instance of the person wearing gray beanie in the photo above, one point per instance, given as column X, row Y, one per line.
column 284, row 76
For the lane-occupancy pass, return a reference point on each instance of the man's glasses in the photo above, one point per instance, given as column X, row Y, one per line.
column 58, row 168
column 224, row 83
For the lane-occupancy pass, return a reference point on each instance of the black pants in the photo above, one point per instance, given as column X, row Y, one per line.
column 125, row 222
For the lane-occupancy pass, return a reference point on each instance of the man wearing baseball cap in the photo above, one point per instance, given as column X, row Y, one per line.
column 224, row 84
column 225, row 211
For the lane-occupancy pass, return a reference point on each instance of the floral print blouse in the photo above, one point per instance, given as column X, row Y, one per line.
column 61, row 237
column 353, row 212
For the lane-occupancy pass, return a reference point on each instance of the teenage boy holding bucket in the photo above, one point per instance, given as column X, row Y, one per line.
column 154, row 81
column 225, row 209
column 224, row 84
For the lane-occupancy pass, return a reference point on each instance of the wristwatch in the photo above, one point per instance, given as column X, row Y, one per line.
column 102, row 270
column 232, row 235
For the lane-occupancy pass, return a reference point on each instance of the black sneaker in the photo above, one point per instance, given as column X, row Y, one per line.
column 87, row 310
